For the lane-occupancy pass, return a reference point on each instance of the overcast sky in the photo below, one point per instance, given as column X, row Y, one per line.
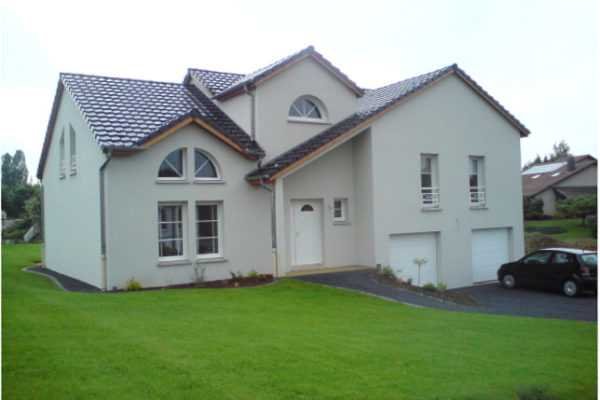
column 538, row 58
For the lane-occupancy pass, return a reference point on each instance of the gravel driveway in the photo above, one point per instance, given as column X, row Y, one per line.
column 491, row 298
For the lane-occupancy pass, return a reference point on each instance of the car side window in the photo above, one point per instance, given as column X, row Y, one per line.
column 540, row 257
column 563, row 258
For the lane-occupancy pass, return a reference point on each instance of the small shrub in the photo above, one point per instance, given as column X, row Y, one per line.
column 236, row 277
column 558, row 215
column 261, row 277
column 253, row 274
column 442, row 286
column 16, row 234
column 409, row 281
column 592, row 222
column 132, row 285
column 430, row 287
column 388, row 272
column 198, row 275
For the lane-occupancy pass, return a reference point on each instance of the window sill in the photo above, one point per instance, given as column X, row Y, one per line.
column 478, row 207
column 308, row 121
column 208, row 181
column 426, row 209
column 172, row 263
column 207, row 260
column 341, row 222
column 171, row 181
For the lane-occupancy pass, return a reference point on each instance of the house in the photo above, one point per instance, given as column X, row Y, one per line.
column 561, row 179
column 288, row 168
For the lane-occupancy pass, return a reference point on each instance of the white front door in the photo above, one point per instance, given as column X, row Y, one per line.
column 306, row 234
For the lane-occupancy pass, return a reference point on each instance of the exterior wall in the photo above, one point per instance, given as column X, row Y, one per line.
column 450, row 120
column 327, row 178
column 275, row 96
column 363, row 199
column 133, row 194
column 238, row 109
column 587, row 177
column 72, row 204
column 549, row 198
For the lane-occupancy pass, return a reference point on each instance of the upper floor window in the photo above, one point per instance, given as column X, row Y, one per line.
column 430, row 192
column 73, row 150
column 204, row 167
column 172, row 165
column 307, row 109
column 476, row 181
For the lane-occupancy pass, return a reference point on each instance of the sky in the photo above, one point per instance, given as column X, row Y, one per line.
column 538, row 58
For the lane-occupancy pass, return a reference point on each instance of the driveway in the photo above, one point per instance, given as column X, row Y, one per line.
column 491, row 298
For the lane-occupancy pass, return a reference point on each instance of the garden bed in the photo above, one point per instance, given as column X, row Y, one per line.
column 444, row 295
column 218, row 284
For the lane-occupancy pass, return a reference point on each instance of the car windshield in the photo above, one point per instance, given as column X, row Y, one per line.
column 590, row 259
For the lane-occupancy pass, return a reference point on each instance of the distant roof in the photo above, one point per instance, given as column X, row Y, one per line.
column 126, row 114
column 225, row 85
column 544, row 176
column 372, row 104
column 575, row 191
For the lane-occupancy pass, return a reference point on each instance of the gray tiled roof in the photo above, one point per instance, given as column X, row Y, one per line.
column 215, row 81
column 534, row 183
column 126, row 112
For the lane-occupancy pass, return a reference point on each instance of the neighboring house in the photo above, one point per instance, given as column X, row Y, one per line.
column 289, row 168
column 561, row 179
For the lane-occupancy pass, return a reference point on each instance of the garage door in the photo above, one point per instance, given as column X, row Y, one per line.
column 404, row 249
column 489, row 251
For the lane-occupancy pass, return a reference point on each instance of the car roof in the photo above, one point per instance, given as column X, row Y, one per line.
column 572, row 251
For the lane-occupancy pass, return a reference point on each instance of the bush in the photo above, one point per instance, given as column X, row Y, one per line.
column 592, row 222
column 546, row 230
column 253, row 274
column 17, row 234
column 442, row 286
column 198, row 275
column 430, row 287
column 389, row 272
column 132, row 285
column 533, row 208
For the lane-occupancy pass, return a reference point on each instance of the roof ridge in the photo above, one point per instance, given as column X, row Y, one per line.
column 62, row 74
column 449, row 67
column 218, row 72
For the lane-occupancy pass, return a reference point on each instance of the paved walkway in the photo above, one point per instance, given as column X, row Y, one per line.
column 63, row 281
column 491, row 298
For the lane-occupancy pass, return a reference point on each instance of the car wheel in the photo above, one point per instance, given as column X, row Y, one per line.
column 570, row 288
column 509, row 281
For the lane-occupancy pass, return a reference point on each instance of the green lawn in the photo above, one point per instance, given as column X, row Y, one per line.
column 573, row 226
column 291, row 340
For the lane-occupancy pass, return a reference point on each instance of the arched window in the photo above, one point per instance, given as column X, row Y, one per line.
column 172, row 165
column 307, row 108
column 204, row 167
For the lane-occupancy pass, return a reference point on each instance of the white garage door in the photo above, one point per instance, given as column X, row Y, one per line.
column 404, row 249
column 489, row 250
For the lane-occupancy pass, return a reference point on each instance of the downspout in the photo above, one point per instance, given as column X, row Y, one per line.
column 103, row 222
column 273, row 224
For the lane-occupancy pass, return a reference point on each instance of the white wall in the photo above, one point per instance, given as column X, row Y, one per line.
column 72, row 204
column 450, row 120
column 133, row 195
column 587, row 177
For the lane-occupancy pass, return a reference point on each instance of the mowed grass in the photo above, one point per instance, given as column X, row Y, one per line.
column 575, row 230
column 290, row 340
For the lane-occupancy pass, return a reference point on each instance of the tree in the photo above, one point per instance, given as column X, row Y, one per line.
column 533, row 208
column 580, row 206
column 14, row 169
column 33, row 206
column 561, row 151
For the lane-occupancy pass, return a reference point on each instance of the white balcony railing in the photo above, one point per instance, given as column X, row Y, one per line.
column 477, row 195
column 73, row 164
column 63, row 168
column 430, row 197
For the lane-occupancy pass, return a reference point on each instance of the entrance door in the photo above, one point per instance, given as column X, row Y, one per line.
column 307, row 235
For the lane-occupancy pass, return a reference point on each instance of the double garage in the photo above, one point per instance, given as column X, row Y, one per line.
column 489, row 249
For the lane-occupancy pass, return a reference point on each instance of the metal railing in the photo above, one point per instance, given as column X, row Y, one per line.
column 430, row 197
column 477, row 195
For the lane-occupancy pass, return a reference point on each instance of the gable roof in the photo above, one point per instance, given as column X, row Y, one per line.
column 129, row 115
column 215, row 81
column 543, row 176
column 257, row 77
column 373, row 104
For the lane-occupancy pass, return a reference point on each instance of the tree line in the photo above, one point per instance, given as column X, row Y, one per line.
column 20, row 199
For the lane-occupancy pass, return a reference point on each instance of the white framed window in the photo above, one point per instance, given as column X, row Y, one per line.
column 205, row 167
column 477, row 195
column 171, row 243
column 172, row 166
column 62, row 167
column 73, row 150
column 307, row 109
column 340, row 210
column 209, row 230
column 430, row 191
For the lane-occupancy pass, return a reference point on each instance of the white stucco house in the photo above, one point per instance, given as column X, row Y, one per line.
column 288, row 168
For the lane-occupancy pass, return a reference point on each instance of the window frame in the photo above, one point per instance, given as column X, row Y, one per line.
column 210, row 159
column 430, row 195
column 220, row 233
column 477, row 193
column 343, row 208
column 316, row 103
column 62, row 167
column 72, row 150
column 183, row 212
column 183, row 177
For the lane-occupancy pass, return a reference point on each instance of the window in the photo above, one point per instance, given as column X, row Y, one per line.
column 62, row 167
column 204, row 168
column 307, row 109
column 563, row 258
column 73, row 150
column 170, row 231
column 476, row 183
column 208, row 230
column 339, row 210
column 540, row 257
column 430, row 192
column 172, row 165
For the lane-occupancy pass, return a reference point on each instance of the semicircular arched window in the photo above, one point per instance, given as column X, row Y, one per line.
column 172, row 165
column 204, row 167
column 307, row 108
column 306, row 208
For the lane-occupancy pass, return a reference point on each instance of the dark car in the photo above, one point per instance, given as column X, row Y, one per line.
column 571, row 270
